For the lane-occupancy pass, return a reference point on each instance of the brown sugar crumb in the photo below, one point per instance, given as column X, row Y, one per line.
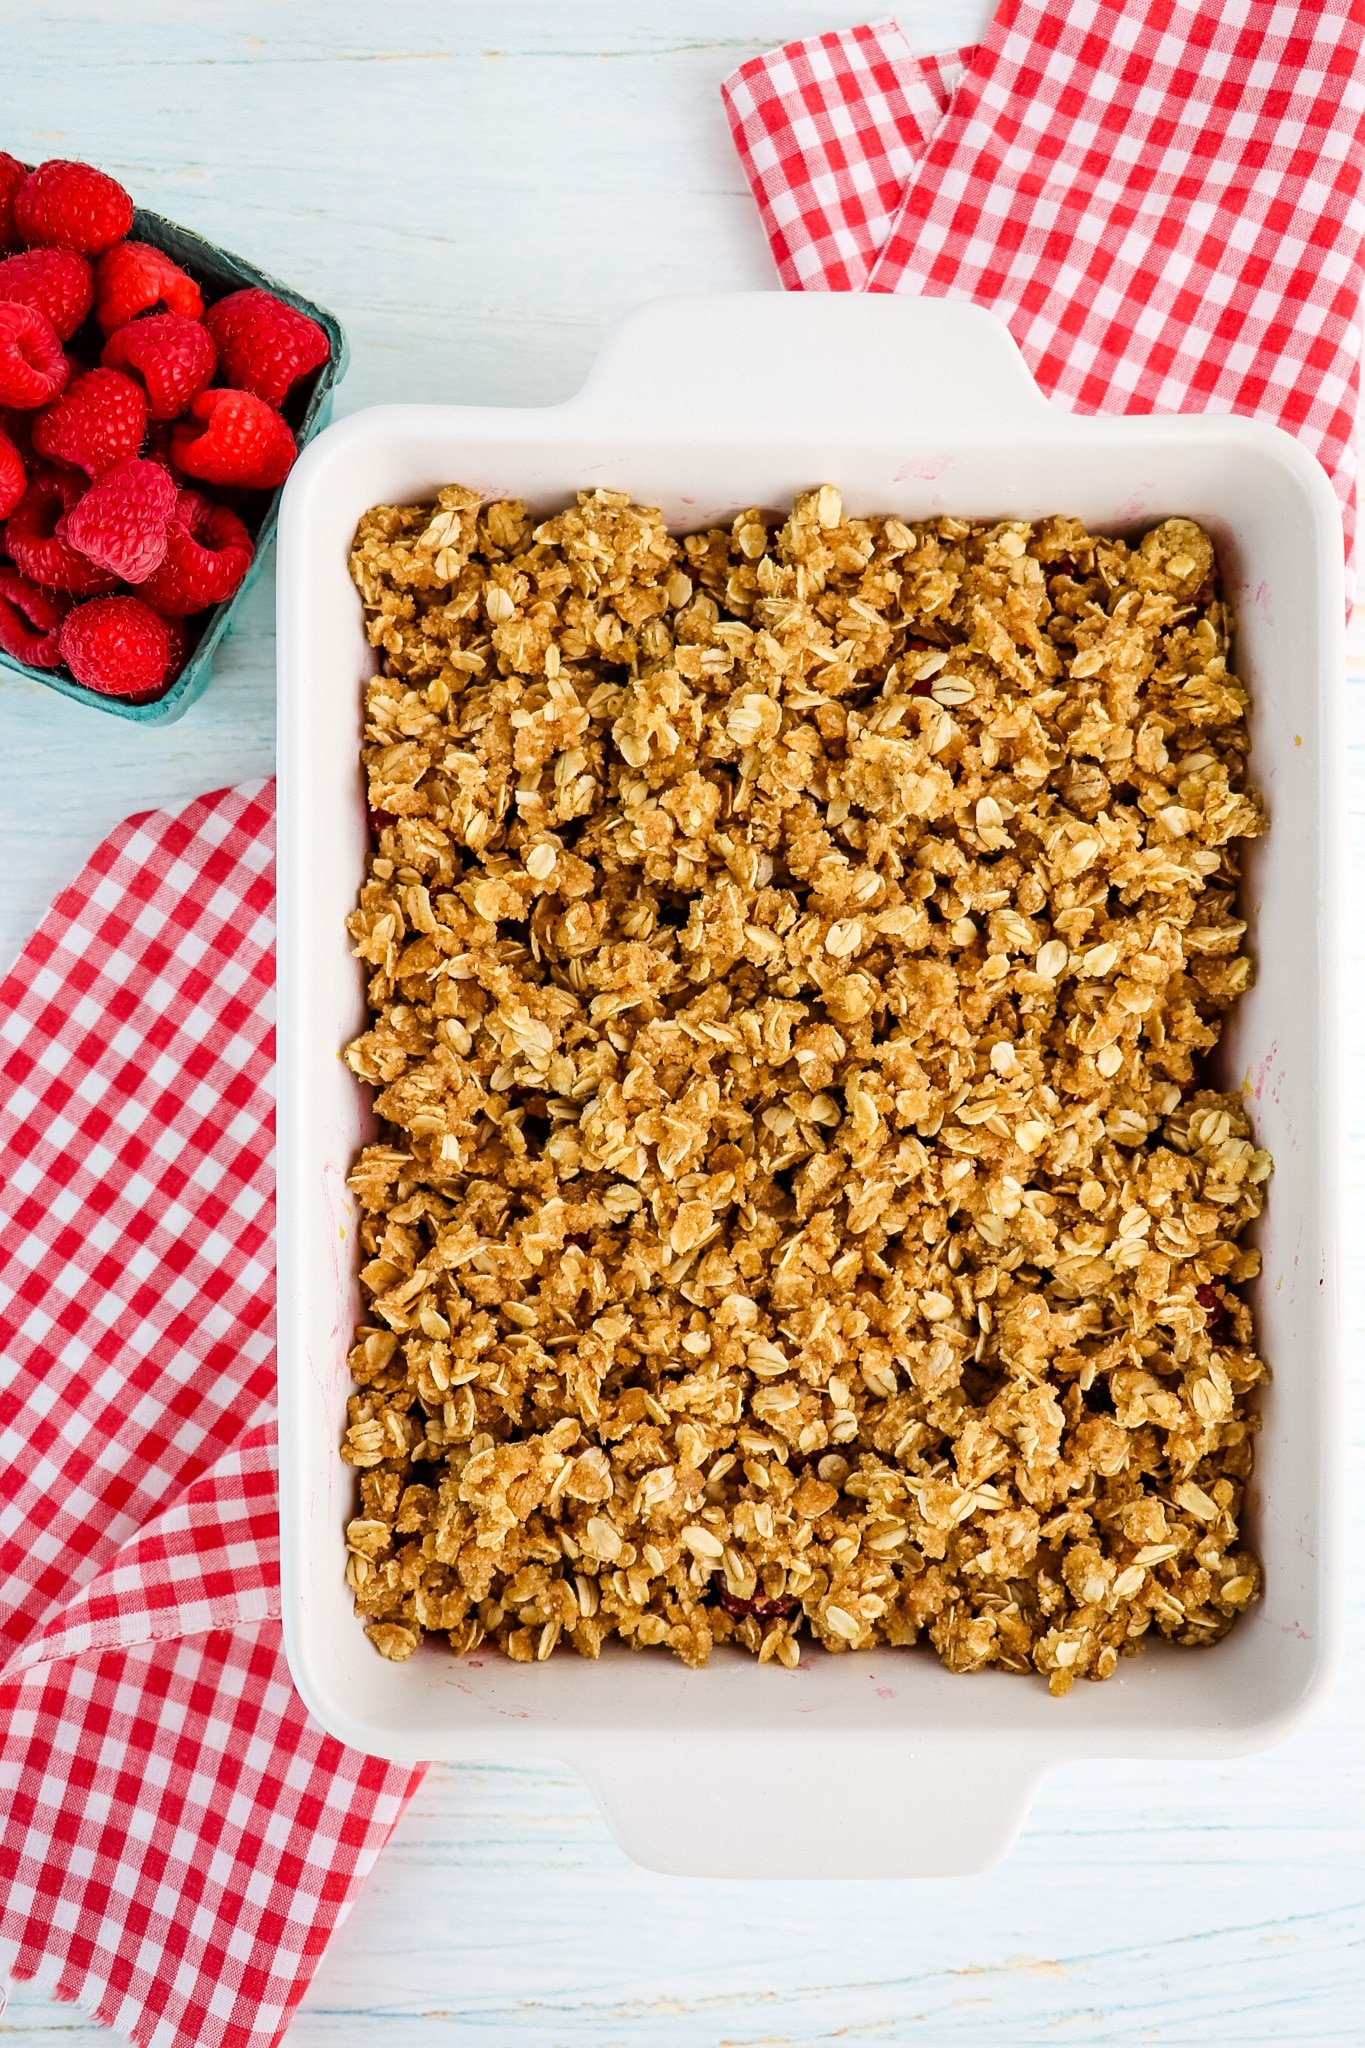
column 799, row 1215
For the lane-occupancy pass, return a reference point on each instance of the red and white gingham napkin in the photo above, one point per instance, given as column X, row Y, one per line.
column 177, row 1838
column 1162, row 200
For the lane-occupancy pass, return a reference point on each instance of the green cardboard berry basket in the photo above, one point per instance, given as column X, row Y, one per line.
column 217, row 272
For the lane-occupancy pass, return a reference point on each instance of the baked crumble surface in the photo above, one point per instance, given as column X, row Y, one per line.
column 799, row 1215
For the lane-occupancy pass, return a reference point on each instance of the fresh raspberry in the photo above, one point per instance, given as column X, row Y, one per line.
column 116, row 645
column 32, row 366
column 32, row 539
column 63, row 205
column 56, row 283
column 137, row 278
column 121, row 523
column 12, row 176
column 29, row 618
column 182, row 639
column 233, row 437
column 208, row 552
column 99, row 420
column 174, row 358
column 264, row 345
column 13, row 479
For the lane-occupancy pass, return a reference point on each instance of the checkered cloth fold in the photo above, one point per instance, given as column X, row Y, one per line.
column 1163, row 201
column 177, row 1838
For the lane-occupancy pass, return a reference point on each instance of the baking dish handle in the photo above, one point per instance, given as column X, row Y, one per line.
column 703, row 363
column 876, row 1805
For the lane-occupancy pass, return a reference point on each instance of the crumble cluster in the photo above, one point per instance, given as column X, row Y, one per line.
column 798, row 1213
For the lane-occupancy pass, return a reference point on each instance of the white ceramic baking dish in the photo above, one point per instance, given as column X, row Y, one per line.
column 880, row 1763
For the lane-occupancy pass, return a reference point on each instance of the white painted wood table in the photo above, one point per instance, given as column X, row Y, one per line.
column 478, row 190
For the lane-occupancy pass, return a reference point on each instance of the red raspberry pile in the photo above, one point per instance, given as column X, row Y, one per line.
column 139, row 433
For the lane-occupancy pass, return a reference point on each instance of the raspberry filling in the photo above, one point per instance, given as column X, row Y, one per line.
column 1217, row 1314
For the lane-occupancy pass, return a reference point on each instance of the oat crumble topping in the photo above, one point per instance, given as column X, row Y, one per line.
column 799, row 1213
